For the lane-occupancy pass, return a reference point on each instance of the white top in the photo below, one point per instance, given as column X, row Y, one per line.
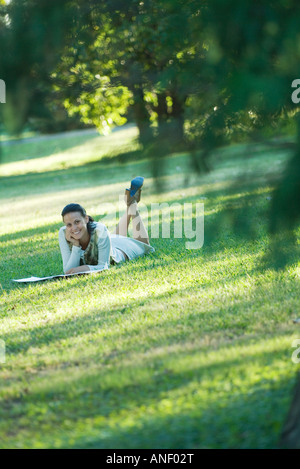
column 109, row 246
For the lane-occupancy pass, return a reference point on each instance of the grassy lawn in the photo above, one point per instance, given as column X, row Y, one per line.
column 180, row 349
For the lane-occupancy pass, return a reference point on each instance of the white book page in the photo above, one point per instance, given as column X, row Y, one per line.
column 40, row 279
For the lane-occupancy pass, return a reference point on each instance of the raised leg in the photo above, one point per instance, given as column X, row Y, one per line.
column 138, row 228
column 122, row 226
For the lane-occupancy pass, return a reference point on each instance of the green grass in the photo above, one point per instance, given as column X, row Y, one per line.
column 180, row 349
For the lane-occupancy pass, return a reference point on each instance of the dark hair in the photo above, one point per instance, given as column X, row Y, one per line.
column 91, row 225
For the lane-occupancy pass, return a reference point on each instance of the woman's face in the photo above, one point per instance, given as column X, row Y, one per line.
column 76, row 224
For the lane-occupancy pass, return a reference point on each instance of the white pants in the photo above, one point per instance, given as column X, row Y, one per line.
column 130, row 246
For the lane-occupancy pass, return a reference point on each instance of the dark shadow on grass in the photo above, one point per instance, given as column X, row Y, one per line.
column 231, row 419
column 122, row 157
column 237, row 422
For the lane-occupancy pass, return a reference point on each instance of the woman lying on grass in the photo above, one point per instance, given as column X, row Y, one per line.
column 86, row 245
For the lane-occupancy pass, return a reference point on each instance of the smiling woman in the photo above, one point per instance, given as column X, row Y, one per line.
column 87, row 245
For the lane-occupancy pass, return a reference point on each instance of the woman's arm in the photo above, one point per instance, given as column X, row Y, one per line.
column 71, row 259
column 77, row 270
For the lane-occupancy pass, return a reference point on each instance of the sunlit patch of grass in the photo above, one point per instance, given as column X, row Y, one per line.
column 61, row 153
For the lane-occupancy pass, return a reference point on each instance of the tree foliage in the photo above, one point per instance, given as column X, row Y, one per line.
column 191, row 74
column 150, row 49
column 32, row 35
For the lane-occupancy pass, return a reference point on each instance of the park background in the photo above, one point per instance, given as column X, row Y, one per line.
column 183, row 348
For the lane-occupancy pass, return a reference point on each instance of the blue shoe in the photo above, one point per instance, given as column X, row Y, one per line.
column 134, row 193
column 136, row 184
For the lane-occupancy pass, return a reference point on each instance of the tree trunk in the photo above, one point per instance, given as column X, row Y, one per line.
column 162, row 110
column 170, row 121
column 290, row 437
column 177, row 116
column 141, row 117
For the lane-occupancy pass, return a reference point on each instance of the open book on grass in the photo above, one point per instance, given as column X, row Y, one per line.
column 40, row 279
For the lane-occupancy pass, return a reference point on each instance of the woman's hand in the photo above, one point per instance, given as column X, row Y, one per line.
column 72, row 240
column 76, row 270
